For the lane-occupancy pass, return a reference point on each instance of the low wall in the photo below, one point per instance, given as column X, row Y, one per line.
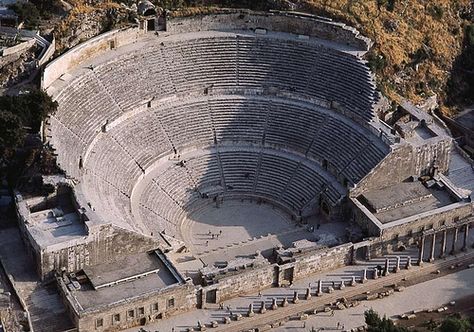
column 20, row 48
column 319, row 260
column 87, row 50
column 303, row 265
column 303, row 24
column 241, row 283
column 47, row 53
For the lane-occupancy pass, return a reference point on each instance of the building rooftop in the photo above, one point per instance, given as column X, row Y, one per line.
column 396, row 196
column 405, row 200
column 129, row 277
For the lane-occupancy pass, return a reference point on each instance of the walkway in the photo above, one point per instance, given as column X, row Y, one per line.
column 241, row 304
column 47, row 312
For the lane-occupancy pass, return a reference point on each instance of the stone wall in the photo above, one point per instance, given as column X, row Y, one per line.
column 154, row 306
column 47, row 53
column 431, row 219
column 14, row 53
column 406, row 160
column 274, row 21
column 241, row 282
column 303, row 265
column 394, row 168
column 86, row 51
column 410, row 226
column 365, row 219
column 109, row 242
column 318, row 261
column 19, row 48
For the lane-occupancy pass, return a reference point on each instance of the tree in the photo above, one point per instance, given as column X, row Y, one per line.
column 32, row 108
column 19, row 114
column 377, row 324
column 11, row 131
column 27, row 12
column 455, row 324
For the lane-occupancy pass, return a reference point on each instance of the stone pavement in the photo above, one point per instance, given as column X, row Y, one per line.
column 47, row 312
column 427, row 295
column 241, row 304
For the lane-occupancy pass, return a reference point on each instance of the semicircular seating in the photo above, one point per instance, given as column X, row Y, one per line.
column 241, row 110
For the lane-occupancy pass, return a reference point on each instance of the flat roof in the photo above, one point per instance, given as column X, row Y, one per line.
column 438, row 199
column 396, row 195
column 132, row 265
column 47, row 229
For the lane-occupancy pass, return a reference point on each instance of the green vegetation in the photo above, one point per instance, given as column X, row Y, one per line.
column 377, row 324
column 455, row 324
column 27, row 12
column 461, row 83
column 20, row 115
column 387, row 4
column 436, row 12
column 33, row 11
column 414, row 41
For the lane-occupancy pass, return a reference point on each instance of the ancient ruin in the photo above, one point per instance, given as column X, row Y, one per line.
column 219, row 154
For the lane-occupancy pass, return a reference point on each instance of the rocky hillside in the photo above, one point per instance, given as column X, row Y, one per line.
column 421, row 46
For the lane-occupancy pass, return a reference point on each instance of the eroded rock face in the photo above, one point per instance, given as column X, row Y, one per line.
column 16, row 68
column 84, row 26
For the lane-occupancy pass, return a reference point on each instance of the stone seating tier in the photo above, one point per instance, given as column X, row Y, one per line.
column 259, row 145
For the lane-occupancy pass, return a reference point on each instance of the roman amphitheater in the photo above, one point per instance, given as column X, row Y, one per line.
column 219, row 154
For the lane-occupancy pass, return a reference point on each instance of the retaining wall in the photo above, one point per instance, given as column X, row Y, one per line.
column 302, row 24
column 86, row 51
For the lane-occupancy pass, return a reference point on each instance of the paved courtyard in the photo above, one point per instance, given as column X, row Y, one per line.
column 425, row 295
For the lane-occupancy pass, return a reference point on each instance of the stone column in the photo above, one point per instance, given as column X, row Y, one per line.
column 466, row 238
column 433, row 246
column 274, row 304
column 320, row 288
column 308, row 293
column 376, row 273
column 386, row 271
column 443, row 245
column 397, row 265
column 367, row 253
column 455, row 239
column 421, row 250
column 364, row 276
column 295, row 297
column 262, row 308
column 250, row 312
column 408, row 265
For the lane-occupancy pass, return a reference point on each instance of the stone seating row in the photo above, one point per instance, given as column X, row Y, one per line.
column 246, row 62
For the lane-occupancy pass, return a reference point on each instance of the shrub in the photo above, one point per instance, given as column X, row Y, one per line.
column 27, row 12
column 454, row 324
column 436, row 12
